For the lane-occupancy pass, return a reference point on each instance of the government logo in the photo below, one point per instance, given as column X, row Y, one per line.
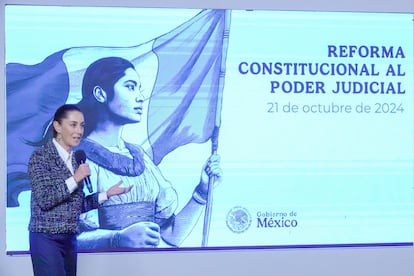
column 238, row 219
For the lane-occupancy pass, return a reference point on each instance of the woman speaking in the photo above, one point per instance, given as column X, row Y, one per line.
column 57, row 197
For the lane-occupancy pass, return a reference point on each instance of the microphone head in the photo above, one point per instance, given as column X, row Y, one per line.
column 80, row 156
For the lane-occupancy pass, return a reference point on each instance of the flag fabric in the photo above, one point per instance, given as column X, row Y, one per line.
column 184, row 106
column 184, row 69
column 33, row 94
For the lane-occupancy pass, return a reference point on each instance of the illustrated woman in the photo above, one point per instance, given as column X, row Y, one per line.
column 147, row 215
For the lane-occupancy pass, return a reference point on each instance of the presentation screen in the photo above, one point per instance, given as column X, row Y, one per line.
column 241, row 128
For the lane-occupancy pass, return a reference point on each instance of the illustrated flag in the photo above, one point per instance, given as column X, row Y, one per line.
column 183, row 68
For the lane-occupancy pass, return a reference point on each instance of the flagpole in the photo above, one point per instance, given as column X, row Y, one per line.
column 214, row 136
column 207, row 215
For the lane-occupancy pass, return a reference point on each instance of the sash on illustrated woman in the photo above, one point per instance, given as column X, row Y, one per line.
column 119, row 216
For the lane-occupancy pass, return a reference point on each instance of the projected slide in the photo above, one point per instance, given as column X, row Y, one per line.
column 311, row 114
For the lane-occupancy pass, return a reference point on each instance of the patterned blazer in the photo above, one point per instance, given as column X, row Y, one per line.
column 53, row 208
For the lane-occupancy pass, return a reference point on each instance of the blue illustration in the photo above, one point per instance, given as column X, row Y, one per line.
column 184, row 107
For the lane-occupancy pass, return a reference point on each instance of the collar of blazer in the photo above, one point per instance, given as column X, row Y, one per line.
column 54, row 157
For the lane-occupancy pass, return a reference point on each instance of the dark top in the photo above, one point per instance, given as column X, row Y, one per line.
column 53, row 208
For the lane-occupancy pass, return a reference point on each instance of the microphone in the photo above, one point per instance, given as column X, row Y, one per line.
column 80, row 157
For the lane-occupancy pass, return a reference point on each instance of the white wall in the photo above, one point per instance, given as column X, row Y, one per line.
column 334, row 261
